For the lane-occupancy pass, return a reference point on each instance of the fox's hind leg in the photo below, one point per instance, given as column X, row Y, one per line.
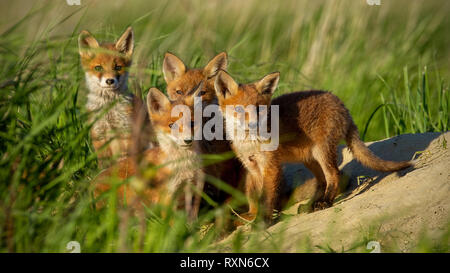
column 321, row 183
column 326, row 156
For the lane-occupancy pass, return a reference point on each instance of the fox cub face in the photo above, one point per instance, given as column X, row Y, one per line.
column 177, row 129
column 106, row 65
column 181, row 81
column 243, row 101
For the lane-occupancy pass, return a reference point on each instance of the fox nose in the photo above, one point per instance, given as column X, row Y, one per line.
column 188, row 141
column 110, row 81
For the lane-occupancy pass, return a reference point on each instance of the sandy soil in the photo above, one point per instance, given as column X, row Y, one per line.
column 395, row 209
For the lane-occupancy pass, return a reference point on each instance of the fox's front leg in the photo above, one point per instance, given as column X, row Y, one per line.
column 253, row 191
column 197, row 197
column 262, row 190
column 103, row 151
column 271, row 187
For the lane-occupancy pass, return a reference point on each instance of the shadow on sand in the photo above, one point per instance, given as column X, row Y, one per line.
column 403, row 147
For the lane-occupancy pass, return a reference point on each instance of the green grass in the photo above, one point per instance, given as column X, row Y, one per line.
column 389, row 64
column 419, row 109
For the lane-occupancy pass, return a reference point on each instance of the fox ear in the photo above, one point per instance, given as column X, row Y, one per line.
column 220, row 62
column 173, row 67
column 157, row 102
column 268, row 84
column 225, row 85
column 125, row 44
column 86, row 42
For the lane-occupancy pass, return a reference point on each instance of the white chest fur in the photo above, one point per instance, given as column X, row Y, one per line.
column 111, row 111
column 185, row 164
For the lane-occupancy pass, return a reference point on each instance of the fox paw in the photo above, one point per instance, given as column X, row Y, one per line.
column 320, row 205
column 244, row 218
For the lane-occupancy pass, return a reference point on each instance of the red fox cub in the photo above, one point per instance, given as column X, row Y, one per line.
column 311, row 124
column 178, row 153
column 181, row 80
column 182, row 155
column 106, row 68
column 199, row 82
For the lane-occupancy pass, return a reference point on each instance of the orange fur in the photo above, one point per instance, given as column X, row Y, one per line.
column 181, row 80
column 106, row 67
column 183, row 84
column 103, row 63
column 311, row 125
column 229, row 171
column 126, row 168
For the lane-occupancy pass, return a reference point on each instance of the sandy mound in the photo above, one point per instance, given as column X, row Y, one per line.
column 395, row 209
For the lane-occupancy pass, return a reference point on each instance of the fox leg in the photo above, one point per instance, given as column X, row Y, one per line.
column 103, row 152
column 327, row 158
column 253, row 193
column 321, row 182
column 262, row 188
column 271, row 188
column 197, row 198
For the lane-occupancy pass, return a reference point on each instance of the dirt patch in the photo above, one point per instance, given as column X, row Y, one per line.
column 396, row 210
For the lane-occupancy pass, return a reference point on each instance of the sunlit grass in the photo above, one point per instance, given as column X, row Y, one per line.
column 368, row 56
column 424, row 106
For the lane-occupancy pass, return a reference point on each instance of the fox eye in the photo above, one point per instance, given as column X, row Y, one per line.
column 172, row 126
column 179, row 92
column 118, row 68
column 98, row 68
column 201, row 93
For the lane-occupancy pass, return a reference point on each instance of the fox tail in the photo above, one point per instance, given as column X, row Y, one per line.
column 367, row 158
